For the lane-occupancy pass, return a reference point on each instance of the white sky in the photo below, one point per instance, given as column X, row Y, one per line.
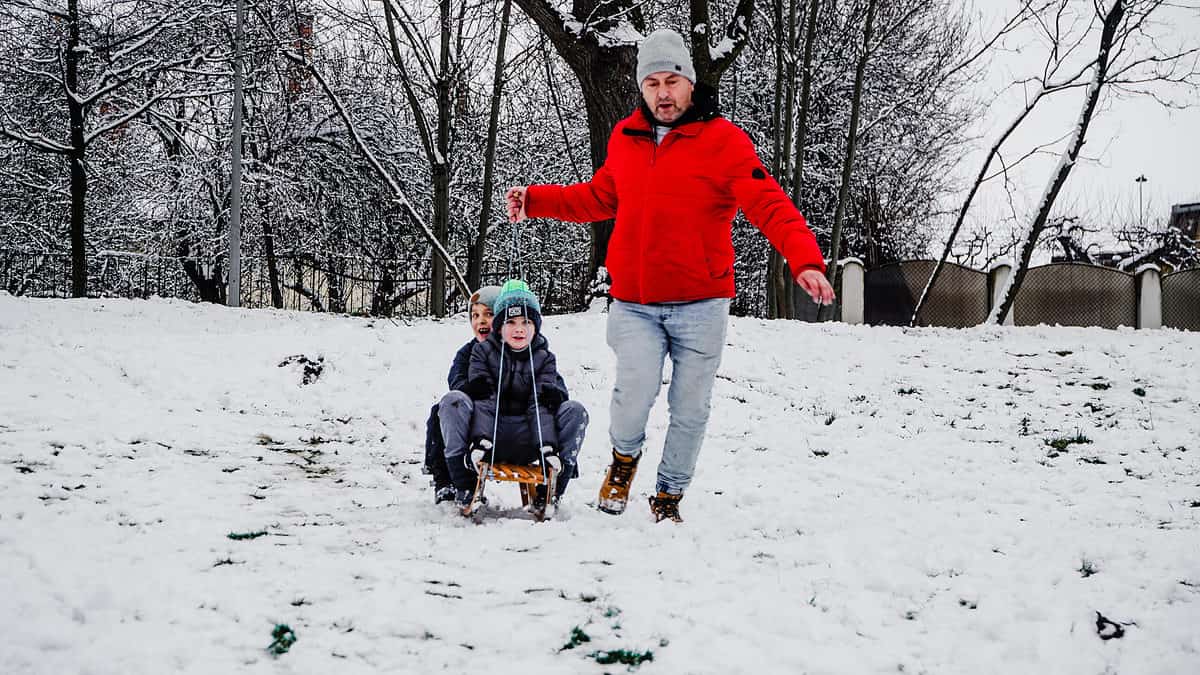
column 1128, row 138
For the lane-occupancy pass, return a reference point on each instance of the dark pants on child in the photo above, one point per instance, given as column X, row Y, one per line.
column 435, row 450
column 516, row 439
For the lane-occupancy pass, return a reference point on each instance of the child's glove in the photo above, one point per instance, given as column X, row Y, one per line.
column 478, row 389
column 478, row 453
column 551, row 397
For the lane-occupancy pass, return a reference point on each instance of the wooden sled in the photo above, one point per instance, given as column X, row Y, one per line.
column 527, row 477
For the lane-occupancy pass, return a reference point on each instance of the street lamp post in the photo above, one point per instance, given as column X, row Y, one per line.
column 1141, row 180
column 233, row 295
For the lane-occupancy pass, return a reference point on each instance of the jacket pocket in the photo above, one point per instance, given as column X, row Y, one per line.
column 718, row 258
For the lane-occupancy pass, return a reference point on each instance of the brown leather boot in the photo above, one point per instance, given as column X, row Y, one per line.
column 614, row 492
column 665, row 506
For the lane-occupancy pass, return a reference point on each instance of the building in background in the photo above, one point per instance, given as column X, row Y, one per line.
column 1186, row 219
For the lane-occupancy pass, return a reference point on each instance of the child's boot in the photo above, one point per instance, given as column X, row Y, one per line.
column 443, row 493
column 614, row 492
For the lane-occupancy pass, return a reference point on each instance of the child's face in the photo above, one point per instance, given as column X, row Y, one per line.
column 481, row 321
column 518, row 332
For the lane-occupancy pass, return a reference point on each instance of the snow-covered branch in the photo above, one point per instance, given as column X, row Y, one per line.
column 397, row 192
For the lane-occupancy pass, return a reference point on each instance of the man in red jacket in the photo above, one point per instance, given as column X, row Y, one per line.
column 674, row 176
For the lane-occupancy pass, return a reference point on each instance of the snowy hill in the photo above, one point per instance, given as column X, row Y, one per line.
column 868, row 500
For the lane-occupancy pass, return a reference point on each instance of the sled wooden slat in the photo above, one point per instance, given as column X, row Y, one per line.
column 517, row 473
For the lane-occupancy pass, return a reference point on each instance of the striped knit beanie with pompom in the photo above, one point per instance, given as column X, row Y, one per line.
column 515, row 300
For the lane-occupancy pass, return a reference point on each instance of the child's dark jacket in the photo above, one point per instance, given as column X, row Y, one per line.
column 521, row 373
column 457, row 378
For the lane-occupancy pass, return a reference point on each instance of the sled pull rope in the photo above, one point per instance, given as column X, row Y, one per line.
column 514, row 254
column 516, row 247
column 496, row 420
column 537, row 422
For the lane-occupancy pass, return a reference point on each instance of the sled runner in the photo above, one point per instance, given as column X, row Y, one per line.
column 528, row 478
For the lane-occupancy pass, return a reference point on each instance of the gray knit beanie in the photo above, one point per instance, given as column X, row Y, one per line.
column 663, row 50
column 485, row 296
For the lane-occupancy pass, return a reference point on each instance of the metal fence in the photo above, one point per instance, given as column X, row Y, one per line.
column 1076, row 294
column 1068, row 294
column 305, row 282
column 958, row 299
column 1064, row 294
column 110, row 274
column 1181, row 300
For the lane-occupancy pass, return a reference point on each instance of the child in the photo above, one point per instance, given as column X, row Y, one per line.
column 435, row 447
column 514, row 402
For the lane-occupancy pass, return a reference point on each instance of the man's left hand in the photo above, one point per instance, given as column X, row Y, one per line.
column 816, row 285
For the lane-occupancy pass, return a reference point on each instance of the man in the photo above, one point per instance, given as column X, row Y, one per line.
column 675, row 174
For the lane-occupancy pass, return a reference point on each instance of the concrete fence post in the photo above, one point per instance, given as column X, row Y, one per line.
column 1149, row 284
column 997, row 280
column 853, row 291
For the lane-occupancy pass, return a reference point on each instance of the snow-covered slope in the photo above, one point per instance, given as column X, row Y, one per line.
column 868, row 500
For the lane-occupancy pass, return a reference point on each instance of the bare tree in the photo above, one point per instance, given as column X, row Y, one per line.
column 442, row 71
column 851, row 143
column 399, row 193
column 475, row 252
column 106, row 69
column 598, row 40
column 1117, row 62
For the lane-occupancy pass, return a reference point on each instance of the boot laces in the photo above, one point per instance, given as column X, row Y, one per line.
column 622, row 472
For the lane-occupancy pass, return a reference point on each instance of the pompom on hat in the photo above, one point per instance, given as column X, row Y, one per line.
column 515, row 299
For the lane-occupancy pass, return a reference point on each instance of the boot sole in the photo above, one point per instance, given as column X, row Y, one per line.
column 611, row 510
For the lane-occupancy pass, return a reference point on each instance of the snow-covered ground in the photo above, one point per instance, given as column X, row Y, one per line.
column 868, row 500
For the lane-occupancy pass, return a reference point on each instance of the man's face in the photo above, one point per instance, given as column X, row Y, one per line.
column 481, row 321
column 518, row 332
column 667, row 94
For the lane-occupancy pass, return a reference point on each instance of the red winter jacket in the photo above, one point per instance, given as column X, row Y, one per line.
column 674, row 205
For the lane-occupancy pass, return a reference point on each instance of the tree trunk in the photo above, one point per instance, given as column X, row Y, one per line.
column 710, row 67
column 76, row 156
column 779, row 284
column 851, row 144
column 1111, row 21
column 608, row 92
column 441, row 165
column 475, row 264
column 272, row 263
column 810, row 39
column 209, row 285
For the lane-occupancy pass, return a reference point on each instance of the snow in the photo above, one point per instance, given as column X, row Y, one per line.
column 868, row 500
column 721, row 49
column 727, row 43
column 621, row 34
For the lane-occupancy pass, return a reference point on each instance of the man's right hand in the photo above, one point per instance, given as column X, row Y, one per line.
column 515, row 198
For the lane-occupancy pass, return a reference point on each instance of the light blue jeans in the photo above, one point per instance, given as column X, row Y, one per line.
column 693, row 335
